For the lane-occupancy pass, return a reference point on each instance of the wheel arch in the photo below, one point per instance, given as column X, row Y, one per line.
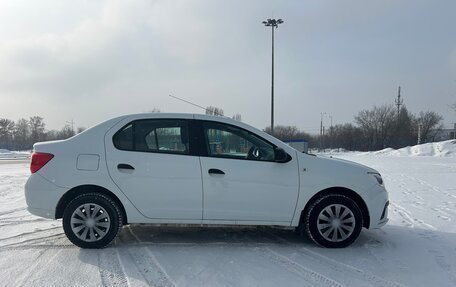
column 342, row 191
column 83, row 189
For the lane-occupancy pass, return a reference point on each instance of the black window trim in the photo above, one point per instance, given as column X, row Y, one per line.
column 188, row 122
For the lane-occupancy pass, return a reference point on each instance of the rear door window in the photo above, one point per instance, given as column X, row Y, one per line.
column 164, row 136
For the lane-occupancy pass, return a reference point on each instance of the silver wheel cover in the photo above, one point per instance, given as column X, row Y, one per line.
column 336, row 222
column 90, row 222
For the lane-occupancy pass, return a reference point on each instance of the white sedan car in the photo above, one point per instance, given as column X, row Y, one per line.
column 197, row 169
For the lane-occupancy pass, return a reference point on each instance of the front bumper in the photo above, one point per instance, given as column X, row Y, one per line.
column 377, row 203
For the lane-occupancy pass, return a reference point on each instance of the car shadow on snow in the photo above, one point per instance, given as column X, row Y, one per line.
column 144, row 234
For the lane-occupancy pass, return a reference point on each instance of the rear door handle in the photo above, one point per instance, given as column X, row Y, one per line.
column 124, row 166
column 215, row 171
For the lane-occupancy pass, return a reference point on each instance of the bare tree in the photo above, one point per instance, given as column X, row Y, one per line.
column 237, row 117
column 37, row 128
column 22, row 134
column 6, row 133
column 288, row 133
column 377, row 126
column 348, row 136
column 214, row 111
column 429, row 121
column 80, row 130
column 366, row 122
column 65, row 132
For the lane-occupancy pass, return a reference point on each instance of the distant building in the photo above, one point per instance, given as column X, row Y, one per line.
column 444, row 134
column 300, row 145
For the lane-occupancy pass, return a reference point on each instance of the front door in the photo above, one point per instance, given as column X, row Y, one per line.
column 241, row 180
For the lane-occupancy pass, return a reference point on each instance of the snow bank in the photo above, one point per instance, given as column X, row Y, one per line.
column 439, row 149
column 7, row 154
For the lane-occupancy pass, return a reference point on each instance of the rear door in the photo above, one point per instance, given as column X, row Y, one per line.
column 151, row 161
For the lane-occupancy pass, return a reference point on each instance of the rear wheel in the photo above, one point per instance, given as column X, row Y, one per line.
column 92, row 220
column 333, row 221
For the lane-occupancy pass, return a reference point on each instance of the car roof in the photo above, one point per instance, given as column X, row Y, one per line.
column 183, row 116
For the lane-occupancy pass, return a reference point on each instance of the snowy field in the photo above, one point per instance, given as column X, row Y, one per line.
column 416, row 248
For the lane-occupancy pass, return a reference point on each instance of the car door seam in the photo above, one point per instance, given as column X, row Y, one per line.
column 202, row 189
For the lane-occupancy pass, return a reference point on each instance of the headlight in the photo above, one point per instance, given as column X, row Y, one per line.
column 378, row 177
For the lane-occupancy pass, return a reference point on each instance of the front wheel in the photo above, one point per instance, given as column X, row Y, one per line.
column 333, row 221
column 92, row 220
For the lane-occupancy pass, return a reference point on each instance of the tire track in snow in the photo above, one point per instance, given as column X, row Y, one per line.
column 442, row 214
column 12, row 211
column 312, row 277
column 341, row 267
column 433, row 187
column 134, row 234
column 408, row 218
column 442, row 261
column 31, row 271
column 29, row 244
column 14, row 237
column 38, row 247
column 149, row 267
column 6, row 222
column 110, row 267
column 440, row 258
column 420, row 202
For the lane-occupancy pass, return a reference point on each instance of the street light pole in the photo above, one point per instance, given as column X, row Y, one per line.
column 273, row 23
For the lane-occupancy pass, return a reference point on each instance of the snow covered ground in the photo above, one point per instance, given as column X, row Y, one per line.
column 416, row 248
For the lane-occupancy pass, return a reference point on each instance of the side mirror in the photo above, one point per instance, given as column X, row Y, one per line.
column 280, row 155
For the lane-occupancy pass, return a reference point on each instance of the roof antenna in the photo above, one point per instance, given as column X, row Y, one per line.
column 188, row 102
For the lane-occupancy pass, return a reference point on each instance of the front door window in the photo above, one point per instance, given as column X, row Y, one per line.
column 232, row 142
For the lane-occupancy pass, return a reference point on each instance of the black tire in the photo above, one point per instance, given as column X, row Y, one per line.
column 342, row 237
column 112, row 220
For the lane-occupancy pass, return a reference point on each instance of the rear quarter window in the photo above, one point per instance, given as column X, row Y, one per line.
column 123, row 139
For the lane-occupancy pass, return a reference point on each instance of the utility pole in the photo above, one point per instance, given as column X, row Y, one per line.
column 72, row 125
column 321, row 129
column 330, row 133
column 273, row 23
column 420, row 125
column 398, row 102
column 453, row 107
column 323, row 139
column 454, row 131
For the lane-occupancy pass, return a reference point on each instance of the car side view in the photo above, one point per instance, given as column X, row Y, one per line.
column 197, row 169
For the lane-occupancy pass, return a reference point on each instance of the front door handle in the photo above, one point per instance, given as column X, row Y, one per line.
column 125, row 166
column 215, row 171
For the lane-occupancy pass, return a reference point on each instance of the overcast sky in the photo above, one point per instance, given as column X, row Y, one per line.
column 92, row 60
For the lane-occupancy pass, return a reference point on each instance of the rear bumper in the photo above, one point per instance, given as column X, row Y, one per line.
column 42, row 196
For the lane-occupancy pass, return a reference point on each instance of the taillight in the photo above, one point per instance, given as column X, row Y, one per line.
column 39, row 159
